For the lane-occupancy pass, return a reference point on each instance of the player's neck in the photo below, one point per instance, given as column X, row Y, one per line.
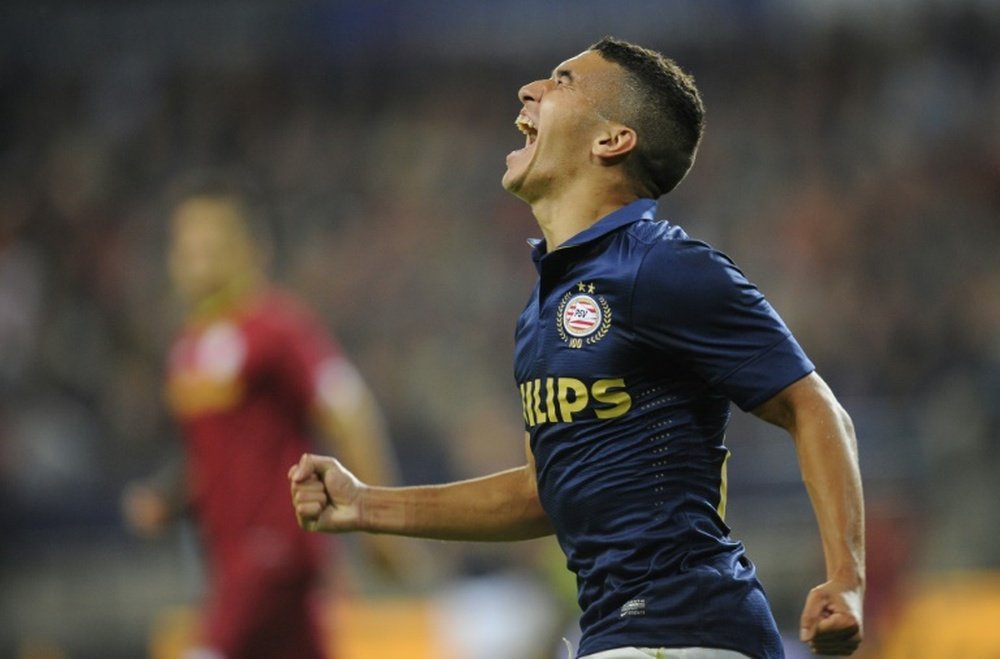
column 576, row 208
column 235, row 295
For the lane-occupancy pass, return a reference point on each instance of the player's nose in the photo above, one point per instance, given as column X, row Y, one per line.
column 531, row 92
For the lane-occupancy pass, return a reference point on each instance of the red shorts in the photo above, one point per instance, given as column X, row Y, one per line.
column 261, row 615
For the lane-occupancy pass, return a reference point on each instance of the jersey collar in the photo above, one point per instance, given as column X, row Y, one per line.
column 640, row 209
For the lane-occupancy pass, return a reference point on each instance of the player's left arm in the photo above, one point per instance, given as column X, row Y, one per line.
column 351, row 423
column 828, row 458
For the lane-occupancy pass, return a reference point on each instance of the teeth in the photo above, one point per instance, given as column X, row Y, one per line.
column 526, row 125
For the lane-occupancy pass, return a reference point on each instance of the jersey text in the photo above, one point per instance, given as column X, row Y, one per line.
column 555, row 400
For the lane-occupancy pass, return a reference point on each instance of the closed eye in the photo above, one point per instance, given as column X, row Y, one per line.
column 563, row 76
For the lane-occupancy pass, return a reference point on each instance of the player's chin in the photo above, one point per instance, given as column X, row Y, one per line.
column 518, row 165
column 513, row 181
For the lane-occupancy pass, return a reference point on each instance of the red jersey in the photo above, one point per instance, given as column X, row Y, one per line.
column 243, row 389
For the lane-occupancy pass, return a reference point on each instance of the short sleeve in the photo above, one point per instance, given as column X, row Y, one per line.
column 692, row 303
column 310, row 362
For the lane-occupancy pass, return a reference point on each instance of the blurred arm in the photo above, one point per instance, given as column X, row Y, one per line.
column 351, row 423
column 350, row 420
column 149, row 505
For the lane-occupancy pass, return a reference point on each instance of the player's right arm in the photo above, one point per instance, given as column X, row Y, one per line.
column 149, row 505
column 501, row 506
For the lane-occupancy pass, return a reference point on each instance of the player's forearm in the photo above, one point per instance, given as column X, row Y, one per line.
column 168, row 482
column 827, row 450
column 499, row 507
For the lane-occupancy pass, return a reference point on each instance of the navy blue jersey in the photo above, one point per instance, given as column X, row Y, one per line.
column 634, row 342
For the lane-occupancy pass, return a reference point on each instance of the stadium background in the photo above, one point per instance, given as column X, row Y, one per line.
column 851, row 165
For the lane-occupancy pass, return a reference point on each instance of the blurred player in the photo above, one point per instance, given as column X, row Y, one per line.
column 628, row 354
column 250, row 375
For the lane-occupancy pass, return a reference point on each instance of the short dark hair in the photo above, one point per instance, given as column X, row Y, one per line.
column 661, row 103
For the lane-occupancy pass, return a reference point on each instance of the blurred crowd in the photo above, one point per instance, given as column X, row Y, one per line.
column 851, row 169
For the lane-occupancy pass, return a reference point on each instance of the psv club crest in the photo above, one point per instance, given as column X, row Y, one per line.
column 583, row 318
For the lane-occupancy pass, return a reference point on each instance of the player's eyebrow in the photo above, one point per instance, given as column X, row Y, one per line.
column 565, row 74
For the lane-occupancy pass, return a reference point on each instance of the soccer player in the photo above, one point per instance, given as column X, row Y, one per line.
column 628, row 354
column 250, row 375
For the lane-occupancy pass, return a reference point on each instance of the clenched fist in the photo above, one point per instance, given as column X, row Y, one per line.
column 831, row 619
column 326, row 496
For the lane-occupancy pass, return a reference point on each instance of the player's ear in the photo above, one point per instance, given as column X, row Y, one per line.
column 614, row 142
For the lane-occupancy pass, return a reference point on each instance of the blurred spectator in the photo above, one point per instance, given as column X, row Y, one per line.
column 249, row 373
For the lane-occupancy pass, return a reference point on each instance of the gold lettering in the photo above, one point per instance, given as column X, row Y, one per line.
column 563, row 398
column 567, row 407
column 550, row 409
column 526, row 403
column 536, row 395
column 613, row 393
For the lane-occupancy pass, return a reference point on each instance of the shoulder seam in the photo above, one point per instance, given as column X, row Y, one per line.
column 646, row 240
column 635, row 280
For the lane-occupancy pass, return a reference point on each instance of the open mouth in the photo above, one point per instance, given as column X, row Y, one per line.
column 530, row 130
column 527, row 126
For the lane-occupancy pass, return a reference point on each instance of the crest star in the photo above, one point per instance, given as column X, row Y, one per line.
column 590, row 288
column 581, row 287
